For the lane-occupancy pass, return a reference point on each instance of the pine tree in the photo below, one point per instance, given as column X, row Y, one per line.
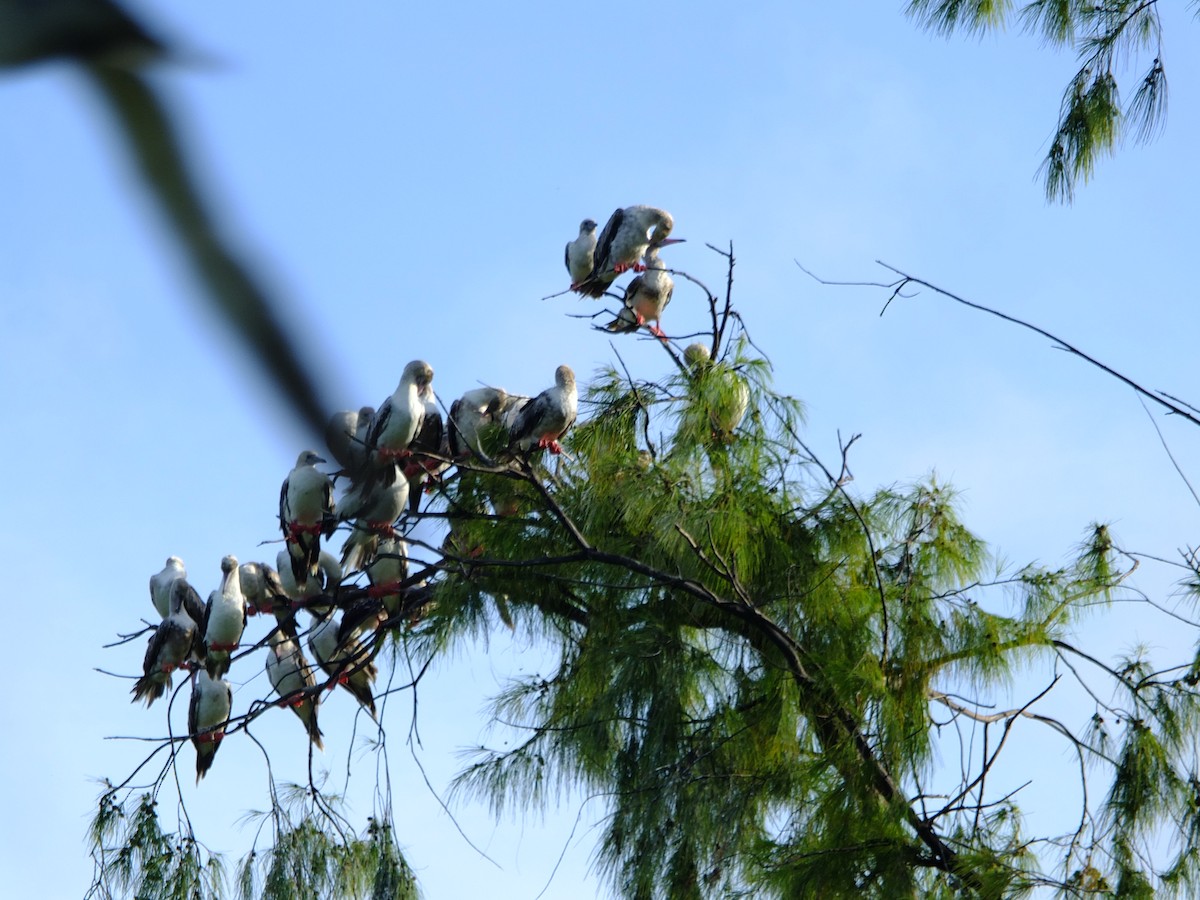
column 754, row 663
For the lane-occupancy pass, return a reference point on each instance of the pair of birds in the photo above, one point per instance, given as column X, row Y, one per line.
column 196, row 636
column 630, row 235
column 191, row 634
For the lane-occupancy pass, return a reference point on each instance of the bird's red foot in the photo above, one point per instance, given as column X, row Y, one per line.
column 639, row 267
column 296, row 529
column 383, row 529
column 555, row 447
column 620, row 267
column 223, row 648
column 387, row 453
column 210, row 737
column 376, row 591
column 168, row 668
column 251, row 609
column 657, row 332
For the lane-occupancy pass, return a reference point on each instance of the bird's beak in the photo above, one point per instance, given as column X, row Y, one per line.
column 666, row 241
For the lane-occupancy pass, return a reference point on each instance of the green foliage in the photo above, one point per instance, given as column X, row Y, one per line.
column 1091, row 117
column 136, row 858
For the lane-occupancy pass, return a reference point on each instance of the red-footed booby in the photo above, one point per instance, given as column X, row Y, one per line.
column 580, row 253
column 346, row 438
column 344, row 659
column 399, row 418
column 470, row 414
column 623, row 242
column 305, row 512
column 646, row 297
column 208, row 714
column 166, row 650
column 290, row 674
column 161, row 582
column 225, row 619
column 548, row 416
column 372, row 510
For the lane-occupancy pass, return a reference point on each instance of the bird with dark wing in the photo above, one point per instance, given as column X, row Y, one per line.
column 306, row 511
column 208, row 713
column 548, row 416
column 623, row 242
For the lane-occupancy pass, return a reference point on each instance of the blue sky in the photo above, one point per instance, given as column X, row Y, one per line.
column 404, row 179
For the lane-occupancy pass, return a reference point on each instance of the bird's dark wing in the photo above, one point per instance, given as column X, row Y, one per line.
column 604, row 243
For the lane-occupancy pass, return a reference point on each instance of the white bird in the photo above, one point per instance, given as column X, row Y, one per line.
column 580, row 252
column 225, row 619
column 344, row 658
column 372, row 509
column 329, row 578
column 262, row 587
column 548, row 416
column 725, row 393
column 346, row 437
column 166, row 650
column 161, row 582
column 305, row 512
column 623, row 242
column 290, row 674
column 646, row 297
column 469, row 414
column 387, row 571
column 400, row 417
column 208, row 713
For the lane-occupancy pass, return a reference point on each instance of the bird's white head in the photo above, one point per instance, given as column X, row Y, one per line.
column 418, row 372
column 309, row 458
column 564, row 377
column 229, row 564
column 587, row 226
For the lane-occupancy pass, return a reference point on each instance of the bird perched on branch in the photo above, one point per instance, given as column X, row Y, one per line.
column 208, row 714
column 400, row 416
column 292, row 677
column 372, row 509
column 548, row 416
column 646, row 297
column 344, row 659
column 623, row 242
column 262, row 586
column 580, row 253
column 306, row 512
column 469, row 415
column 161, row 582
column 166, row 650
column 225, row 619
column 346, row 438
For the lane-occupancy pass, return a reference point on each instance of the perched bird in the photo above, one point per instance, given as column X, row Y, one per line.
column 387, row 572
column 290, row 674
column 262, row 587
column 305, row 513
column 400, row 417
column 166, row 651
column 372, row 509
column 725, row 394
column 161, row 582
column 580, row 252
column 548, row 416
column 320, row 591
column 469, row 414
column 646, row 297
column 225, row 619
column 623, row 242
column 344, row 658
column 208, row 714
column 346, row 438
